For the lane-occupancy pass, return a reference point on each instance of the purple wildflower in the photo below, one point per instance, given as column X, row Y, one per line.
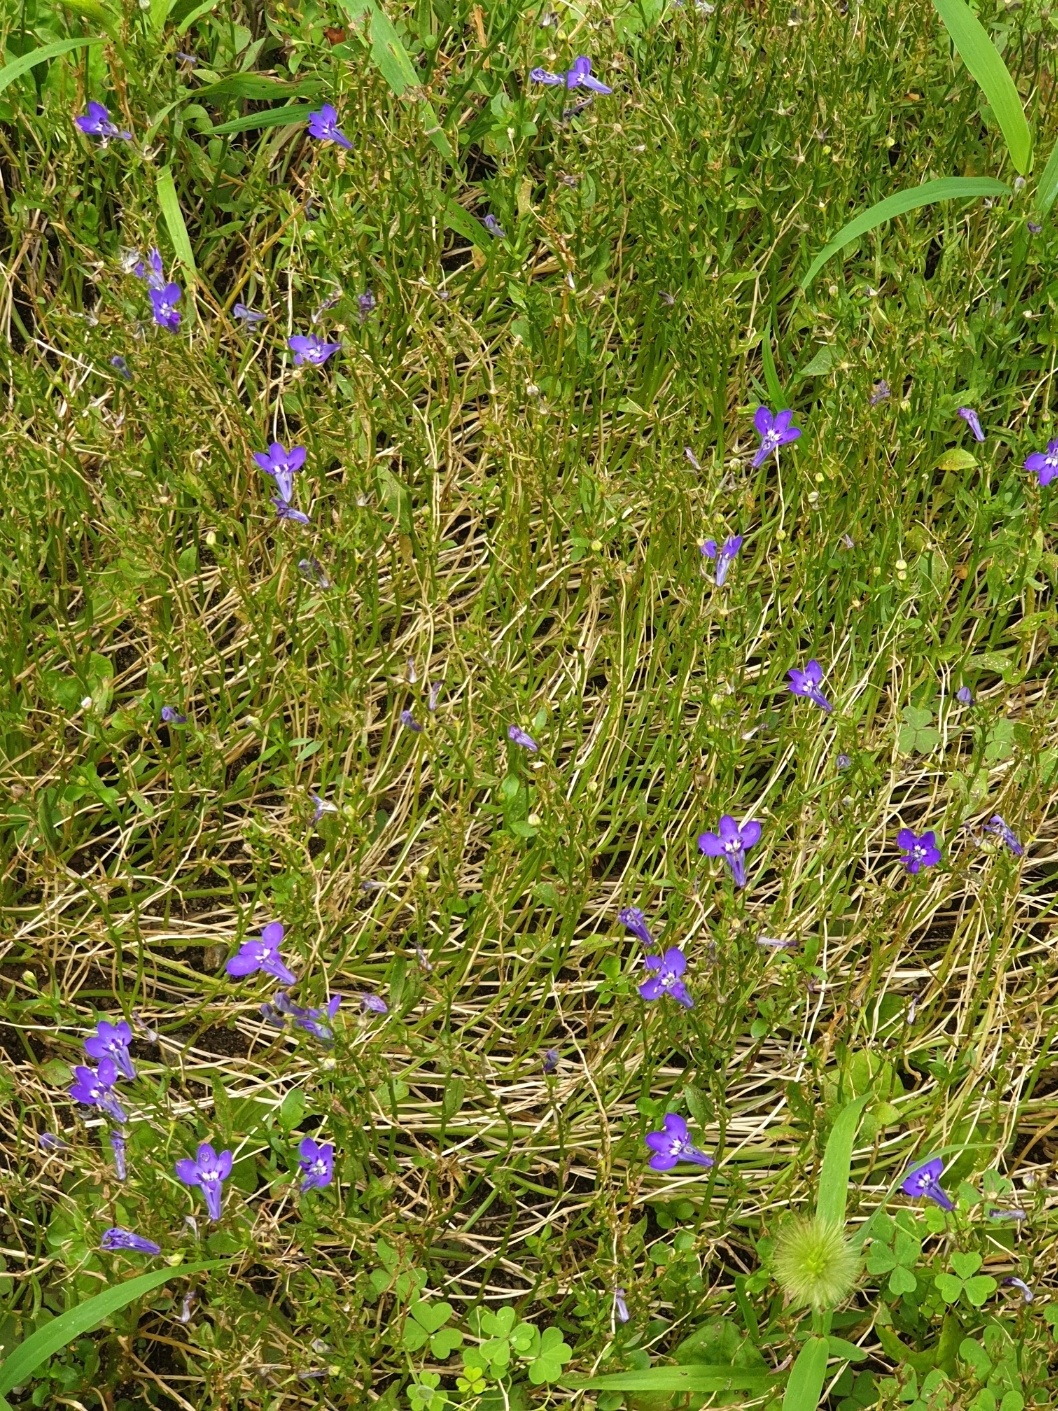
column 324, row 127
column 308, row 348
column 551, row 1060
column 271, row 1015
column 373, row 1004
column 1012, row 1214
column 1034, row 227
column 673, row 1144
column 262, row 955
column 117, row 1145
column 493, row 226
column 96, row 123
column 1027, row 1294
column 112, row 1041
column 973, row 422
column 1044, row 464
column 408, row 720
column 152, row 270
column 317, row 1162
column 924, row 1180
column 366, row 304
column 50, row 1142
column 314, row 1021
column 732, row 843
column 774, row 943
column 322, row 807
column 94, row 1089
column 208, row 1170
column 285, row 510
column 669, row 967
column 281, row 465
column 246, row 316
column 120, row 366
column 725, row 555
column 634, row 920
column 1004, row 831
column 312, row 571
column 116, row 1238
column 808, row 682
column 435, row 691
column 774, row 430
column 620, row 1307
column 965, row 695
column 919, row 852
column 843, row 761
column 171, row 716
column 881, row 393
column 579, row 76
column 163, row 305
column 184, row 1316
column 692, row 458
column 518, row 736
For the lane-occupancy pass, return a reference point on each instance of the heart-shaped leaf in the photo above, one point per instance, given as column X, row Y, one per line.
column 554, row 1353
column 881, row 1259
column 980, row 1288
column 431, row 1316
column 444, row 1343
column 902, row 1281
column 948, row 1286
column 498, row 1324
column 966, row 1264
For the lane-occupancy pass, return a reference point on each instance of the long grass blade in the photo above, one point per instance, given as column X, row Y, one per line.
column 985, row 63
column 945, row 188
column 1048, row 187
column 17, row 67
column 19, row 1365
column 771, row 375
column 274, row 117
column 676, row 1379
column 837, row 1162
column 807, row 1376
column 174, row 220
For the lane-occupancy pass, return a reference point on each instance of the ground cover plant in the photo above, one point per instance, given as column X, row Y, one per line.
column 529, row 743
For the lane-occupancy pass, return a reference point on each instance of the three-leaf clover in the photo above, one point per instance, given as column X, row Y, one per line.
column 898, row 1262
column 965, row 1280
column 427, row 1321
column 917, row 731
column 550, row 1358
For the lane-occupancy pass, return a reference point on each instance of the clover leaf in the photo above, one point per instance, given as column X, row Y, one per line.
column 553, row 1355
column 917, row 732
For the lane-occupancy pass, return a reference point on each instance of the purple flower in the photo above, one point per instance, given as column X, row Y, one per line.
column 924, row 1180
column 1034, row 227
column 579, row 76
column 281, row 465
column 314, row 1021
column 632, row 918
column 965, row 695
column 112, row 1041
column 312, row 571
column 50, row 1142
column 551, row 1060
column 308, row 348
column 725, row 555
column 373, row 1004
column 120, row 366
column 970, row 417
column 669, row 967
column 95, row 1089
column 1027, row 1294
column 881, row 392
column 96, row 123
column 163, row 305
column 322, row 807
column 171, row 716
column 407, row 719
column 774, row 430
column 518, row 736
column 843, row 761
column 1045, row 465
column 116, row 1238
column 732, row 844
column 919, row 852
column 285, row 510
column 317, row 1162
column 366, row 304
column 324, row 126
column 620, row 1307
column 775, row 943
column 493, row 226
column 1003, row 830
column 262, row 955
column 248, row 317
column 435, row 691
column 692, row 458
column 117, row 1145
column 673, row 1144
column 209, row 1171
column 1013, row 1214
column 807, row 683
column 152, row 271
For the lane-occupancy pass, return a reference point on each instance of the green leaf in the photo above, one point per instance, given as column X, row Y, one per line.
column 945, row 188
column 274, row 117
column 431, row 1316
column 445, row 1342
column 257, row 87
column 174, row 220
column 820, row 364
column 549, row 1361
column 678, row 1379
column 841, row 1347
column 957, row 459
column 948, row 1286
column 966, row 1264
column 1048, row 187
column 980, row 1289
column 17, row 1368
column 808, row 1373
column 17, row 67
column 983, row 60
column 292, row 1109
column 837, row 1162
column 771, row 376
column 902, row 1280
column 463, row 223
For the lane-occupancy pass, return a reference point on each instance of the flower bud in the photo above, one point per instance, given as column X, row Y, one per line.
column 814, row 1263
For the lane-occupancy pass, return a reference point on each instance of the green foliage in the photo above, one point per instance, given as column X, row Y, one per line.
column 986, row 65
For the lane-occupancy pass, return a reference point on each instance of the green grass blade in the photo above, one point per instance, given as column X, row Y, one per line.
column 1048, row 187
column 676, row 1379
column 807, row 1376
column 771, row 376
column 17, row 67
column 945, row 188
column 174, row 220
column 985, row 63
column 274, row 117
column 463, row 223
column 19, row 1365
column 837, row 1162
